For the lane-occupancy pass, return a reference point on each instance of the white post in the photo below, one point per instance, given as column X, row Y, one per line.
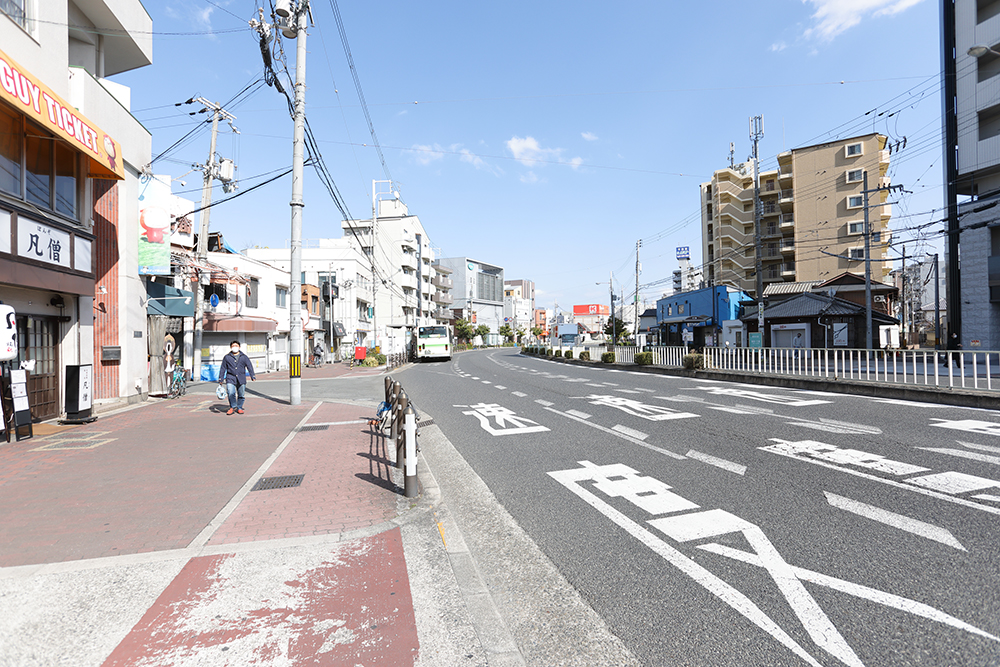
column 295, row 279
column 410, row 453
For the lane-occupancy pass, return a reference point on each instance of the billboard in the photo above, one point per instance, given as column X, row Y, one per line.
column 164, row 219
column 592, row 309
column 683, row 252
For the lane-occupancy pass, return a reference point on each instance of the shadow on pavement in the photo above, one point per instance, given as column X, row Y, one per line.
column 379, row 466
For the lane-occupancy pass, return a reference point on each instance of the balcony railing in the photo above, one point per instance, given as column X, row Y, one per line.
column 786, row 193
column 442, row 297
column 788, row 269
column 786, row 220
column 442, row 281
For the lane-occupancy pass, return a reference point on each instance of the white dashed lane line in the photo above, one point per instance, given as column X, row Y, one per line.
column 717, row 462
column 577, row 413
column 631, row 432
column 542, row 402
column 519, row 393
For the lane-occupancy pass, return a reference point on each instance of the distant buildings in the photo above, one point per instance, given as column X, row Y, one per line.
column 478, row 292
column 812, row 213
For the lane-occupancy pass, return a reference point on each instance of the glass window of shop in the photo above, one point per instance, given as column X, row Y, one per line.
column 51, row 168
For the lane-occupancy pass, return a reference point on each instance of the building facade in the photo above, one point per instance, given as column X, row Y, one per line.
column 70, row 160
column 478, row 292
column 812, row 216
column 525, row 288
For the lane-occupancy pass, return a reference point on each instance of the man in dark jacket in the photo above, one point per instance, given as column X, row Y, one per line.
column 235, row 367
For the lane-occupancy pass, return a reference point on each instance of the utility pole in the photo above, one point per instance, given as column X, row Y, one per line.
column 211, row 172
column 638, row 267
column 906, row 328
column 868, row 259
column 949, row 76
column 756, row 134
column 937, row 306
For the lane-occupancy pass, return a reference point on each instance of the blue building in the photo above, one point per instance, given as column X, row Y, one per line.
column 696, row 317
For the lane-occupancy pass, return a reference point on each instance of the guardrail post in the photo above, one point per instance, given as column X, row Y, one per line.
column 397, row 431
column 410, row 453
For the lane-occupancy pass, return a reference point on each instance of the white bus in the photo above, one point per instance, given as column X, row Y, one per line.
column 432, row 342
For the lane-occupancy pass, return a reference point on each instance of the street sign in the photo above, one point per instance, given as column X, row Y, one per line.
column 214, row 300
column 760, row 315
column 755, row 339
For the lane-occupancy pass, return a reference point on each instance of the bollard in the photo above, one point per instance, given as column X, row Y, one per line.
column 397, row 390
column 388, row 389
column 410, row 441
column 397, row 428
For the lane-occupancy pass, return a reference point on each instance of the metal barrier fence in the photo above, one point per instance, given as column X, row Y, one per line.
column 402, row 425
column 964, row 369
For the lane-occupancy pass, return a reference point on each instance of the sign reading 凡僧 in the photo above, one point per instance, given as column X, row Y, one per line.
column 37, row 101
column 42, row 242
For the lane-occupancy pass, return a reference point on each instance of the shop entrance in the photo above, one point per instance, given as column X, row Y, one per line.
column 38, row 340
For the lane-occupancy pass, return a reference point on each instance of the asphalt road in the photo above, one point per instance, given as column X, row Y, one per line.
column 716, row 523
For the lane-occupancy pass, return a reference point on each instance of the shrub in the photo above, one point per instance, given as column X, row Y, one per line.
column 585, row 356
column 693, row 361
column 373, row 360
column 568, row 354
column 644, row 358
column 548, row 352
column 608, row 358
column 557, row 353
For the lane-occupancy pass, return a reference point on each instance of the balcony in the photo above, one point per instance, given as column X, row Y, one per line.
column 786, row 221
column 409, row 261
column 769, row 230
column 442, row 314
column 442, row 281
column 784, row 174
column 786, row 194
column 769, row 208
column 442, row 297
column 788, row 248
column 788, row 270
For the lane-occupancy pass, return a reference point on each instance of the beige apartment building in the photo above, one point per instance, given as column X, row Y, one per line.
column 812, row 216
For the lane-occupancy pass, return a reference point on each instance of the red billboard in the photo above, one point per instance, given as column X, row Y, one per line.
column 592, row 309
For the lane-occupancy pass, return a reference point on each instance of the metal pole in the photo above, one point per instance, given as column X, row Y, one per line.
column 410, row 453
column 638, row 244
column 953, row 287
column 375, row 276
column 298, row 143
column 868, row 270
column 756, row 133
column 611, row 289
column 206, row 212
column 906, row 327
column 937, row 305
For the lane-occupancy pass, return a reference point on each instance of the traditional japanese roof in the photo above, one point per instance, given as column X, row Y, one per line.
column 814, row 305
column 790, row 288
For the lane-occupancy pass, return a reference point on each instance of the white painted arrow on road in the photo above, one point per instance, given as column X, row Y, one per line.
column 928, row 530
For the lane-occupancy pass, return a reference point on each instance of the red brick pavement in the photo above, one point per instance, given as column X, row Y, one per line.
column 147, row 479
column 339, row 370
column 347, row 483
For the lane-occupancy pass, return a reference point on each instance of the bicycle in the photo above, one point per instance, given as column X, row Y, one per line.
column 178, row 382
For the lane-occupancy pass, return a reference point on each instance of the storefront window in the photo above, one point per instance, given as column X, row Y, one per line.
column 38, row 151
column 10, row 153
column 66, row 176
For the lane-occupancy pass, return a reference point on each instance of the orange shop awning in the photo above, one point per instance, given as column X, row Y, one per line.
column 29, row 96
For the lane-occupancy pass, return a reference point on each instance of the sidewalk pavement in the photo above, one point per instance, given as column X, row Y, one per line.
column 138, row 540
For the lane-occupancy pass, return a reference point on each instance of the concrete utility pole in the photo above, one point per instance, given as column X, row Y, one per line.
column 937, row 306
column 638, row 267
column 868, row 259
column 211, row 171
column 756, row 134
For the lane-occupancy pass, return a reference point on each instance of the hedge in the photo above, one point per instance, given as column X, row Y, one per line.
column 608, row 358
column 693, row 361
column 644, row 358
column 568, row 354
column 585, row 356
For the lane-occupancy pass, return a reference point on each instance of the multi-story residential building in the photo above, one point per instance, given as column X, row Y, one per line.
column 526, row 290
column 516, row 309
column 812, row 216
column 346, row 320
column 478, row 292
column 541, row 321
column 70, row 159
column 971, row 41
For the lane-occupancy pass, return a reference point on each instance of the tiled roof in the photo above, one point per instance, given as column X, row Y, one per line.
column 790, row 288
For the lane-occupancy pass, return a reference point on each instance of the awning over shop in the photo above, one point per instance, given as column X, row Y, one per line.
column 686, row 319
column 29, row 96
column 225, row 323
column 170, row 301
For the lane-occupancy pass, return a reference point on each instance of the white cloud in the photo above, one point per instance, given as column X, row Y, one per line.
column 779, row 46
column 465, row 155
column 529, row 152
column 530, row 177
column 426, row 153
column 833, row 17
column 589, row 136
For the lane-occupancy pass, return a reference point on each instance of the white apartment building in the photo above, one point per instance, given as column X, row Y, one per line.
column 70, row 161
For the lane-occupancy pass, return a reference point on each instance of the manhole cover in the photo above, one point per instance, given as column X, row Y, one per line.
column 315, row 427
column 283, row 482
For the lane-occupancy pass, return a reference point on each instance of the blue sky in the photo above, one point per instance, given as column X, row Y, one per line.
column 549, row 137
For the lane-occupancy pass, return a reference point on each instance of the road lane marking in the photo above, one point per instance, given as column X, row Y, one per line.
column 910, row 525
column 717, row 462
column 539, row 401
column 577, row 413
column 833, row 426
column 982, row 448
column 486, row 382
column 651, row 391
column 619, row 434
column 627, row 391
column 735, row 411
column 520, row 394
column 653, row 413
column 789, row 401
column 638, row 435
column 854, row 457
column 857, row 590
column 611, row 384
column 961, row 453
column 499, row 386
column 475, row 378
column 954, row 482
column 970, row 425
column 988, row 496
column 592, row 384
column 507, row 421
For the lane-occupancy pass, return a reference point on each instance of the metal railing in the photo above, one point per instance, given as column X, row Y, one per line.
column 401, row 420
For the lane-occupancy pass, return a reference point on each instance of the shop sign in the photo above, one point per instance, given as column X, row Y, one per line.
column 42, row 242
column 840, row 334
column 8, row 333
column 37, row 101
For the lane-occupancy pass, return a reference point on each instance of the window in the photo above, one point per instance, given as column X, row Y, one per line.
column 857, row 227
column 856, row 253
column 680, row 309
column 315, row 305
column 855, row 175
column 51, row 170
column 856, row 201
column 252, row 290
column 218, row 289
column 986, row 9
column 853, row 150
column 17, row 10
column 10, row 153
column 281, row 297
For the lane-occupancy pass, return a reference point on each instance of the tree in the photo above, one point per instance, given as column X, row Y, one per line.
column 506, row 332
column 615, row 330
column 464, row 330
column 520, row 334
column 483, row 330
column 537, row 332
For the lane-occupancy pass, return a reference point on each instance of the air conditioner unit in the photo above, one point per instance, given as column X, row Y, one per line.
column 878, row 299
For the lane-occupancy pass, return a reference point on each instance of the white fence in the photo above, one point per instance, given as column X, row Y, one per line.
column 964, row 369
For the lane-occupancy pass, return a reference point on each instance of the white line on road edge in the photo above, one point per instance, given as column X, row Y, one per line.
column 353, row 421
column 619, row 434
column 539, row 400
column 857, row 590
column 206, row 534
column 638, row 435
column 577, row 413
column 499, row 386
column 892, row 482
column 717, row 462
column 961, row 453
column 982, row 448
column 988, row 496
column 930, row 531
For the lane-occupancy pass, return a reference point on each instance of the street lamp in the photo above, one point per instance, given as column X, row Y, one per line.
column 978, row 51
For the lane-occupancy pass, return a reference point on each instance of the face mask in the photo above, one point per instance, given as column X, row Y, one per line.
column 235, row 350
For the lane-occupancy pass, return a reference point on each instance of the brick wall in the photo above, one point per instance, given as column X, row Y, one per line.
column 106, row 276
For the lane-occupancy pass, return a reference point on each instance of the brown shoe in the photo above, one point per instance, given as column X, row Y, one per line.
column 230, row 411
column 239, row 411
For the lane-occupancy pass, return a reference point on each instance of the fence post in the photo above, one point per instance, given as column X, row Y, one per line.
column 410, row 453
column 404, row 404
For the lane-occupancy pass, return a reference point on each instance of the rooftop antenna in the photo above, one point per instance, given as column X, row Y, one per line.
column 732, row 151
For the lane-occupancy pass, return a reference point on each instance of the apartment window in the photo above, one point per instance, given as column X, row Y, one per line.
column 857, row 227
column 709, row 210
column 854, row 150
column 856, row 253
column 989, row 122
column 855, row 175
column 252, row 291
column 856, row 201
column 315, row 305
column 986, row 9
column 281, row 297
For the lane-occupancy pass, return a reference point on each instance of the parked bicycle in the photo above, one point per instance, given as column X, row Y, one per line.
column 178, row 382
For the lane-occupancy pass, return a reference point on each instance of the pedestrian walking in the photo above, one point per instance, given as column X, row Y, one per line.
column 235, row 368
column 318, row 354
column 797, row 344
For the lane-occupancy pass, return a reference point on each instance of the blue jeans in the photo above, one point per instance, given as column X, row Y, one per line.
column 234, row 392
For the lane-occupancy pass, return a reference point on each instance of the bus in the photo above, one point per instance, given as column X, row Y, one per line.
column 432, row 342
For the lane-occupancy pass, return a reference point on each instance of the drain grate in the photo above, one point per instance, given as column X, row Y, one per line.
column 426, row 422
column 283, row 482
column 315, row 427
